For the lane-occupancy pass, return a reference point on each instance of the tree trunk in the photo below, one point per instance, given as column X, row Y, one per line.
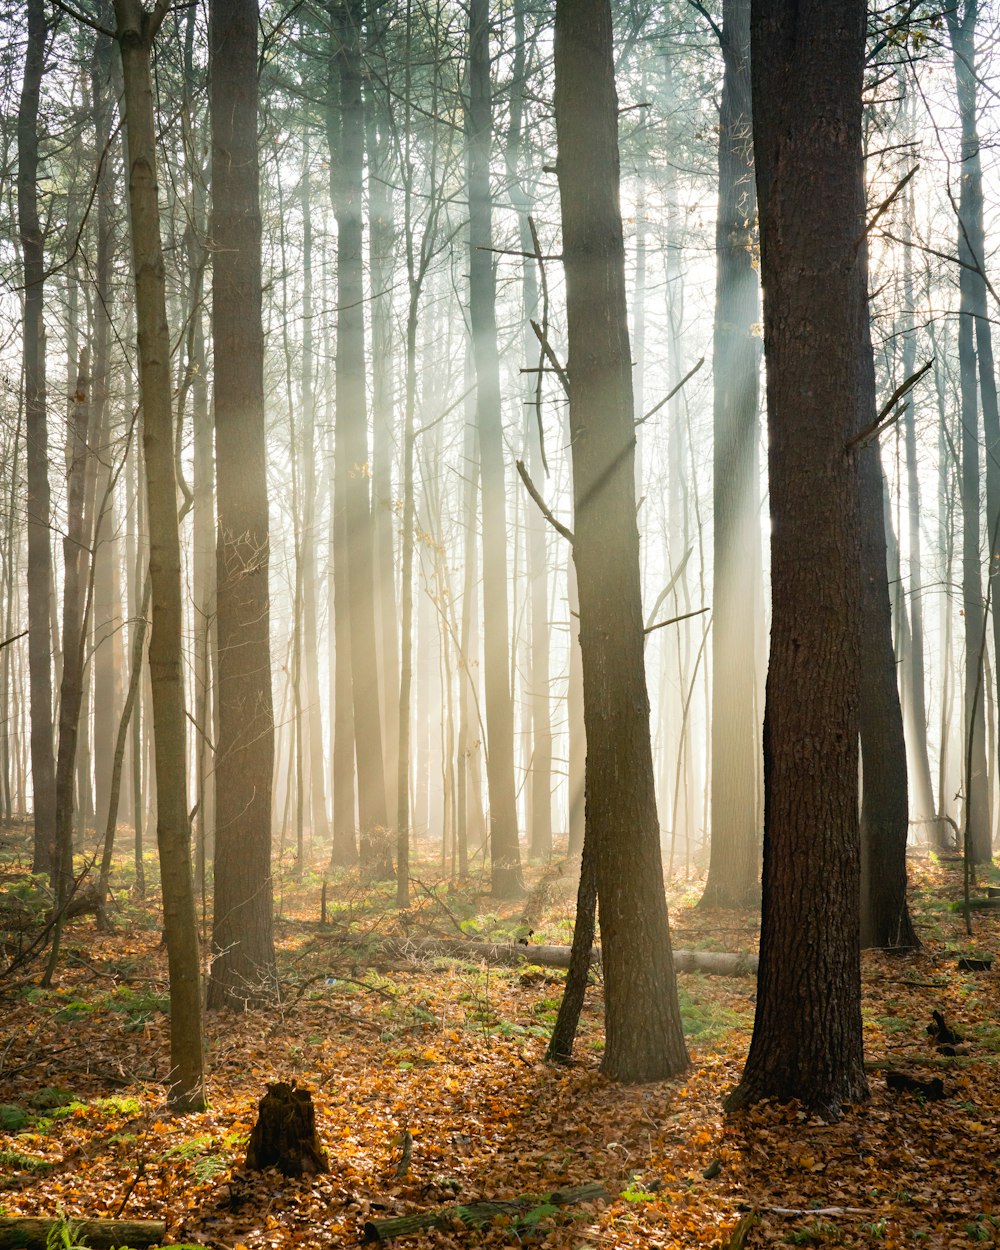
column 885, row 917
column 345, row 114
column 643, row 1028
column 75, row 545
column 733, row 866
column 807, row 74
column 974, row 340
column 136, row 32
column 243, row 939
column 39, row 579
column 505, row 851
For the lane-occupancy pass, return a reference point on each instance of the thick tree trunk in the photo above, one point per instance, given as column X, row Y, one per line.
column 39, row 579
column 242, row 936
column 807, row 77
column 733, row 866
column 136, row 32
column 644, row 1038
column 505, row 851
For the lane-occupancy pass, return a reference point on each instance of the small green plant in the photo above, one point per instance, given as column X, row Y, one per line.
column 12, row 1117
column 814, row 1234
column 16, row 1161
column 636, row 1192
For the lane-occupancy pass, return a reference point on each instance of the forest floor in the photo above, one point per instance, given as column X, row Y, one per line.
column 445, row 1060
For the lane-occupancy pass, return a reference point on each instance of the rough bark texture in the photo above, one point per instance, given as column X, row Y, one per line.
column 136, row 31
column 644, row 1038
column 285, row 1136
column 242, row 935
column 351, row 434
column 504, row 848
column 43, row 768
column 807, row 76
column 733, row 867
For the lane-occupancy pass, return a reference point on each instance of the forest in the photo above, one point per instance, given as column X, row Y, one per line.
column 499, row 668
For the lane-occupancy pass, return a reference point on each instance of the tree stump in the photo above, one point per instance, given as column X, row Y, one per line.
column 285, row 1134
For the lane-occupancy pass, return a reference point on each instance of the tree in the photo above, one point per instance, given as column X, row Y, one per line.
column 643, row 1028
column 807, row 75
column 43, row 776
column 975, row 347
column 136, row 31
column 243, row 939
column 504, row 847
column 733, row 868
column 355, row 593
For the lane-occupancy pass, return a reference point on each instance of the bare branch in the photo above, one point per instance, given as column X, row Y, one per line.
column 542, row 506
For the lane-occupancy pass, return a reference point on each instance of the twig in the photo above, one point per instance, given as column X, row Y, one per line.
column 668, row 397
column 673, row 620
column 886, row 204
column 881, row 422
column 550, row 355
column 543, row 507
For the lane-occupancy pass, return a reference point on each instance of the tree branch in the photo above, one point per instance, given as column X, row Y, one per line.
column 884, row 420
column 542, row 506
column 667, row 398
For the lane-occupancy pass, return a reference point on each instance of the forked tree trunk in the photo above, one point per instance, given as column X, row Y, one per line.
column 643, row 1027
column 136, row 31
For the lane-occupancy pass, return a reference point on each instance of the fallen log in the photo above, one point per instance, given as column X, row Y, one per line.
column 512, row 954
column 531, row 1208
column 25, row 1232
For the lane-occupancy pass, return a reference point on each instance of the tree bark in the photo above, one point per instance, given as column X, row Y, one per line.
column 25, row 1232
column 243, row 970
column 39, row 579
column 136, row 30
column 733, row 865
column 975, row 347
column 505, row 850
column 807, row 74
column 345, row 117
column 643, row 1028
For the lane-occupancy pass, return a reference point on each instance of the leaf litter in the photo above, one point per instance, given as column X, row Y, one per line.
column 443, row 1062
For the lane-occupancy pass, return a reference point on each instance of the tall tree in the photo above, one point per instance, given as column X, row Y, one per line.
column 732, row 874
column 504, row 846
column 43, row 774
column 243, row 936
column 346, row 118
column 136, row 31
column 807, row 74
column 643, row 1028
column 975, row 348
